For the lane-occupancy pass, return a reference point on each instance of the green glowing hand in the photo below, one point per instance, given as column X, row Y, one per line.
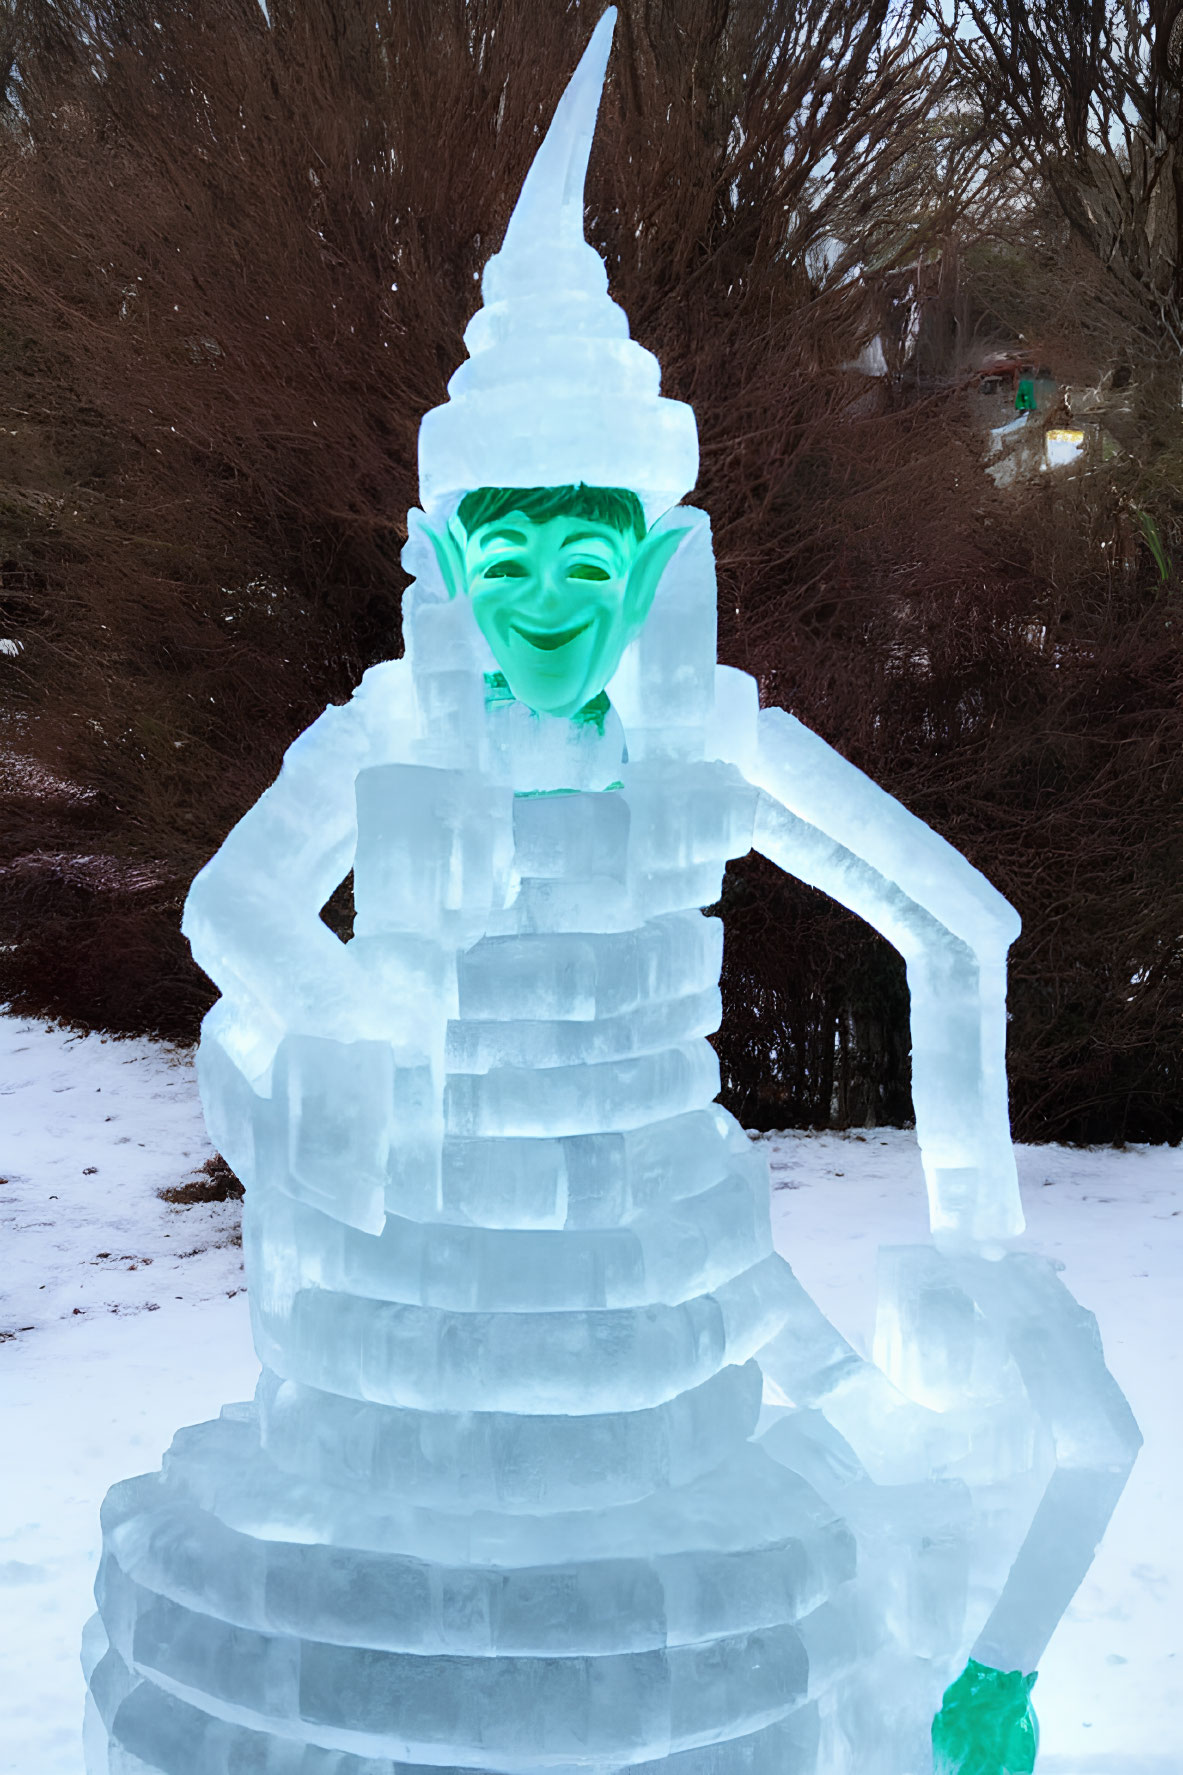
column 986, row 1725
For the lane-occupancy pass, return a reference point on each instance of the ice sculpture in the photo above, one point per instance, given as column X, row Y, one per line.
column 553, row 1464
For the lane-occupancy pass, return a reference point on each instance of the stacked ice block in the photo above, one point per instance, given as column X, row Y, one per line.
column 552, row 1464
column 496, row 1504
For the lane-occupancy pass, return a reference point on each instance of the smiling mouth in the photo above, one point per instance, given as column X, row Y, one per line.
column 549, row 640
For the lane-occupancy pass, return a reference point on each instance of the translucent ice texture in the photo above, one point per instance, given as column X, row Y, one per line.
column 554, row 391
column 553, row 1465
column 497, row 1504
column 837, row 830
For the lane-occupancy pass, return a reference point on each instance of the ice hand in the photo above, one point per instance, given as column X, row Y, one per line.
column 987, row 1725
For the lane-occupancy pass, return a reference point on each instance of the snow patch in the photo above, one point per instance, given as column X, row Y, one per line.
column 126, row 1347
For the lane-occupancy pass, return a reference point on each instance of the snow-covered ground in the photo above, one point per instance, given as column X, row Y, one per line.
column 129, row 1320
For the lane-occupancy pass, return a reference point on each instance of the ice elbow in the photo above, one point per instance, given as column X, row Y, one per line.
column 215, row 920
column 798, row 771
column 197, row 914
column 989, row 923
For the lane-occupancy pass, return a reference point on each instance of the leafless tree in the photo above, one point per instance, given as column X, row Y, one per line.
column 1086, row 96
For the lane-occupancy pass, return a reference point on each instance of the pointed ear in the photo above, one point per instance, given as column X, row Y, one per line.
column 449, row 556
column 648, row 565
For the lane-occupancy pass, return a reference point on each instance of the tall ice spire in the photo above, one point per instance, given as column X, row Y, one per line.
column 554, row 391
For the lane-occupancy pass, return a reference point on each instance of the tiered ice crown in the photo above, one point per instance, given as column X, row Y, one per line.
column 554, row 391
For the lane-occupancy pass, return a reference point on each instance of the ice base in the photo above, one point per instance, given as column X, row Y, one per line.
column 253, row 1619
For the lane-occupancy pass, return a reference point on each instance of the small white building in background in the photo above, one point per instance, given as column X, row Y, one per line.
column 1022, row 448
column 1016, row 448
column 1062, row 445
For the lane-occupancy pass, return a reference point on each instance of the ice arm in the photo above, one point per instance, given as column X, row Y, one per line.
column 1057, row 1348
column 986, row 1722
column 253, row 913
column 823, row 821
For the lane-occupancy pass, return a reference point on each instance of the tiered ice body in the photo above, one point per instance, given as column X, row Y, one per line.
column 552, row 1465
column 482, row 1512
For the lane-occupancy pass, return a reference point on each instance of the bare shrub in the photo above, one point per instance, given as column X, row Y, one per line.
column 235, row 266
column 237, row 261
column 1019, row 690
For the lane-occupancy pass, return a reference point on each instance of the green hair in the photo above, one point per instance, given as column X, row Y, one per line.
column 603, row 505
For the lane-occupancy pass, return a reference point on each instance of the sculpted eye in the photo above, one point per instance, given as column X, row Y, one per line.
column 505, row 570
column 585, row 570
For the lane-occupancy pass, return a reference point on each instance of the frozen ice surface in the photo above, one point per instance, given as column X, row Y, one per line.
column 554, row 1465
column 497, row 1503
column 837, row 830
column 554, row 391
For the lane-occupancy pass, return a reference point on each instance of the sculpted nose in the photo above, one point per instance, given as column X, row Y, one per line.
column 550, row 600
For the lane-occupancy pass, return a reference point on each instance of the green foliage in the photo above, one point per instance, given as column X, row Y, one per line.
column 1154, row 543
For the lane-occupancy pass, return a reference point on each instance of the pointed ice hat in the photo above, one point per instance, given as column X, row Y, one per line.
column 554, row 391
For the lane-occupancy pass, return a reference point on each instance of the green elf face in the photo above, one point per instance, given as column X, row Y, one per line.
column 558, row 598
